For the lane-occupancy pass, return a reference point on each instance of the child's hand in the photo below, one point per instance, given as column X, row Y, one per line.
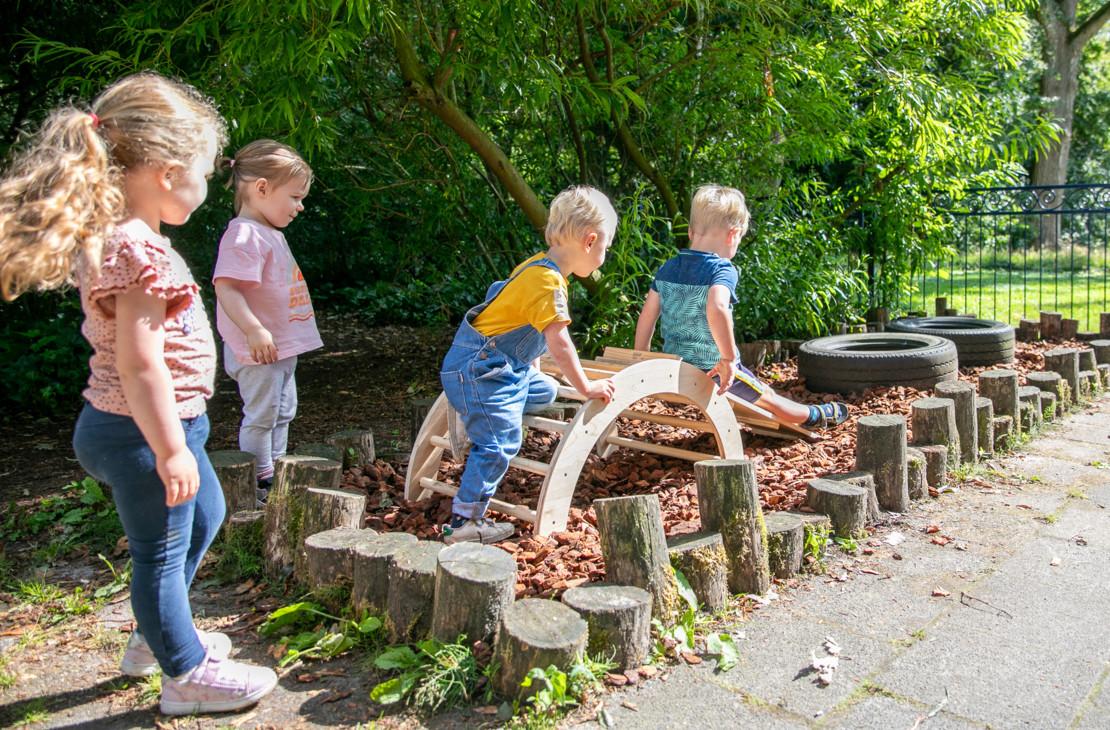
column 262, row 346
column 602, row 389
column 179, row 474
column 726, row 372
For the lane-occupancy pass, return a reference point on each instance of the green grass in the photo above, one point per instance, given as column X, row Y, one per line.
column 1008, row 295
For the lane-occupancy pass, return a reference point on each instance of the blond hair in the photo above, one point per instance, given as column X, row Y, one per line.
column 576, row 212
column 716, row 207
column 62, row 196
column 264, row 158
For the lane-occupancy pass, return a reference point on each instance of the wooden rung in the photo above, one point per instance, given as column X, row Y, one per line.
column 624, row 354
column 545, row 424
column 592, row 373
column 536, row 467
column 512, row 510
column 568, row 393
column 662, row 420
column 651, row 448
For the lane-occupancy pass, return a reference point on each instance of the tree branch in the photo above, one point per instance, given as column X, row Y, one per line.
column 1092, row 25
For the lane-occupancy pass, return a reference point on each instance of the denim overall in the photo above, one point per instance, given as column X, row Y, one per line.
column 491, row 383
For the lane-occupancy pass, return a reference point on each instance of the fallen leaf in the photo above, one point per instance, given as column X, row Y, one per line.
column 630, row 706
column 940, row 540
column 339, row 696
column 940, row 592
column 616, row 680
column 932, row 528
column 487, row 710
column 691, row 657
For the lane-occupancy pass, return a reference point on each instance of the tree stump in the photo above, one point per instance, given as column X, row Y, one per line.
column 475, row 583
column 1050, row 324
column 1087, row 335
column 1102, row 351
column 1029, row 330
column 1029, row 397
column 701, row 558
column 984, row 418
column 245, row 527
column 934, row 423
column 1001, row 386
column 1069, row 328
column 916, row 479
column 936, row 465
column 1047, row 381
column 370, row 560
column 1048, row 405
column 729, row 501
column 962, row 394
column 320, row 450
column 1104, row 324
column 881, row 450
column 1003, row 430
column 845, row 504
column 634, row 548
column 536, row 633
column 940, row 306
column 326, row 509
column 1088, row 383
column 785, row 544
column 1103, row 370
column 329, row 556
column 282, row 534
column 1064, row 361
column 412, row 590
column 357, row 446
column 865, row 480
column 237, row 473
column 619, row 621
column 1087, row 359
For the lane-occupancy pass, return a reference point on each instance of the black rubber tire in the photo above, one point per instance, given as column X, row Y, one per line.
column 978, row 341
column 854, row 363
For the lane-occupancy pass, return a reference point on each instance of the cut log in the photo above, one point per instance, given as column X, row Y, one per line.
column 729, row 501
column 1029, row 397
column 845, row 504
column 412, row 590
column 934, row 424
column 1087, row 359
column 984, row 417
column 1064, row 361
column 1103, row 374
column 1050, row 324
column 1029, row 330
column 1087, row 335
column 474, row 585
column 329, row 556
column 1048, row 405
column 237, row 473
column 1088, row 384
column 244, row 528
column 356, row 446
column 865, row 480
column 1102, row 351
column 536, row 633
column 634, row 548
column 1003, row 433
column 327, row 509
column 701, row 558
column 916, row 479
column 1001, row 386
column 1104, row 324
column 282, row 534
column 370, row 568
column 936, row 465
column 1049, row 382
column 785, row 544
column 940, row 306
column 320, row 450
column 619, row 621
column 962, row 394
column 881, row 450
column 1069, row 328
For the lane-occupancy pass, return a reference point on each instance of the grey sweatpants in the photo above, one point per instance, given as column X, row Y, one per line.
column 269, row 394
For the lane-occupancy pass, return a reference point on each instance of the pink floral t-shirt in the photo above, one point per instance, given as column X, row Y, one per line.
column 136, row 256
column 273, row 286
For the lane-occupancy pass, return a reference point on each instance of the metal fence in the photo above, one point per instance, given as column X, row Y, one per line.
column 1020, row 250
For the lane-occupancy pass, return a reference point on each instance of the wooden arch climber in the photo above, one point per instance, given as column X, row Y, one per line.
column 636, row 375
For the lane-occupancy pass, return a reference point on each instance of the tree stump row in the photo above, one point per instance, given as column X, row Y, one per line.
column 283, row 533
column 618, row 619
column 701, row 558
column 326, row 509
column 729, row 501
column 1001, row 386
column 934, row 424
column 1064, row 361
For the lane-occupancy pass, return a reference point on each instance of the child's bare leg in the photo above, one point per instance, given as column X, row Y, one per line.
column 783, row 408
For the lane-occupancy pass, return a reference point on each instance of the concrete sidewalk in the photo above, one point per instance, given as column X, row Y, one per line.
column 1021, row 640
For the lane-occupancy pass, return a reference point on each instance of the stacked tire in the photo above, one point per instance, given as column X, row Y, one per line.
column 854, row 363
column 978, row 341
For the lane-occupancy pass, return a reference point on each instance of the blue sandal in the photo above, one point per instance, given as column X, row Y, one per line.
column 833, row 414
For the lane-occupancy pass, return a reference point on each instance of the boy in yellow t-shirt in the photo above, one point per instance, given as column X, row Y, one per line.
column 489, row 374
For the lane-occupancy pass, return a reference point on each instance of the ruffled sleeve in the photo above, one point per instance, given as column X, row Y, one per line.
column 140, row 262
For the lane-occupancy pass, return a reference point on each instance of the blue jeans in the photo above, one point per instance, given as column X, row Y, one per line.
column 166, row 543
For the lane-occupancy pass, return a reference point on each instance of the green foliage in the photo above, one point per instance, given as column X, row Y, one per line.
column 817, row 539
column 44, row 361
column 306, row 635
column 80, row 515
column 682, row 635
column 240, row 555
column 432, row 675
column 121, row 579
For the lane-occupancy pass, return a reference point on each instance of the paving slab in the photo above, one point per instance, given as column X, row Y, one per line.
column 879, row 712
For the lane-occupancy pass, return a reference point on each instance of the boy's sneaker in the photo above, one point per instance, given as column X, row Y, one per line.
column 482, row 530
column 216, row 685
column 138, row 660
column 262, row 492
column 456, row 435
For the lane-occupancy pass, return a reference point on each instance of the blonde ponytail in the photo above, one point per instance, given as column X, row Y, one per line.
column 61, row 197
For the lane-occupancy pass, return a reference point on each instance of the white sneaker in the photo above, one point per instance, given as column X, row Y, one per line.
column 216, row 685
column 138, row 660
column 483, row 530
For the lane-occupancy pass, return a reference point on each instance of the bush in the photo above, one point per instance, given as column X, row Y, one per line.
column 44, row 360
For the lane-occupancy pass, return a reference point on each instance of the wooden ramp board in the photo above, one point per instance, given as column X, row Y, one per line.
column 593, row 428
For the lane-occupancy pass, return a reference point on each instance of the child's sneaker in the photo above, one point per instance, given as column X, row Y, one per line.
column 138, row 660
column 833, row 414
column 482, row 530
column 216, row 685
column 262, row 492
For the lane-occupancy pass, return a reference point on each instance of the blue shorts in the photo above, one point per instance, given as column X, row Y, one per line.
column 746, row 386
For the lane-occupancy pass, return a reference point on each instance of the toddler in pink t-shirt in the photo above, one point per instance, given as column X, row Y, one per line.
column 263, row 310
